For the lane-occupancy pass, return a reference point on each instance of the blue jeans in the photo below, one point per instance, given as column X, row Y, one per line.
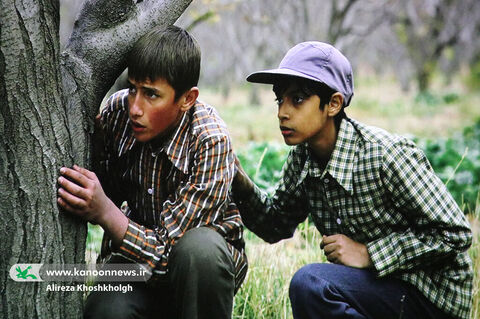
column 334, row 291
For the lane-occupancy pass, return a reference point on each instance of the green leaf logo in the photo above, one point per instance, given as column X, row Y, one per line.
column 26, row 272
column 23, row 274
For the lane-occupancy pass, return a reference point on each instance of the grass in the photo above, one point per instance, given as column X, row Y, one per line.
column 264, row 293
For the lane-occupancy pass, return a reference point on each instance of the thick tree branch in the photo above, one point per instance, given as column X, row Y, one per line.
column 96, row 53
column 103, row 34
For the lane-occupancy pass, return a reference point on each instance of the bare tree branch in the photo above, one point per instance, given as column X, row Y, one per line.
column 96, row 53
column 204, row 17
column 105, row 31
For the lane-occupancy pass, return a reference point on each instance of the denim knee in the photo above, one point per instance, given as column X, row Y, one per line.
column 305, row 284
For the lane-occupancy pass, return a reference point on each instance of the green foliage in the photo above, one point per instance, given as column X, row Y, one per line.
column 451, row 98
column 431, row 99
column 456, row 160
column 263, row 162
column 473, row 79
column 428, row 98
column 94, row 238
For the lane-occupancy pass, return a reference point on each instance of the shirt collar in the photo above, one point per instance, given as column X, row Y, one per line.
column 341, row 163
column 176, row 147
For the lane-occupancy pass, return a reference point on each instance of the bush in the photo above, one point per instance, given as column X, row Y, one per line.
column 263, row 162
column 456, row 160
column 431, row 99
column 473, row 79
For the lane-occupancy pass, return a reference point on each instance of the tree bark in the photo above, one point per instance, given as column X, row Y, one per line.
column 48, row 100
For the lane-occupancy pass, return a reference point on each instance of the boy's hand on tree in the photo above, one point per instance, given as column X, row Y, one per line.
column 80, row 193
column 83, row 195
column 340, row 249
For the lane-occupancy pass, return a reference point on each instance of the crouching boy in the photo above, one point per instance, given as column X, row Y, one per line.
column 169, row 157
column 395, row 238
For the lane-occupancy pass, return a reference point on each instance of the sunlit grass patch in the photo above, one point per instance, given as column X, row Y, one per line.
column 264, row 293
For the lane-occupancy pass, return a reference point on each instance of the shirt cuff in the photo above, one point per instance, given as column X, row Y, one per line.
column 139, row 245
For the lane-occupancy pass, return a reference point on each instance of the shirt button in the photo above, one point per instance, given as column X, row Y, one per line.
column 150, row 191
column 326, row 181
column 339, row 221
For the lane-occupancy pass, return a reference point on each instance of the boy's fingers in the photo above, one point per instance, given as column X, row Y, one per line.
column 328, row 239
column 333, row 258
column 76, row 203
column 71, row 187
column 62, row 203
column 328, row 249
column 75, row 176
column 84, row 171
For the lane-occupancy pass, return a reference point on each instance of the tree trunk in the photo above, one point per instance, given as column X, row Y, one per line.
column 423, row 80
column 48, row 100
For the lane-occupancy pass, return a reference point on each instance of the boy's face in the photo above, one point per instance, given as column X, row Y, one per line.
column 300, row 117
column 153, row 110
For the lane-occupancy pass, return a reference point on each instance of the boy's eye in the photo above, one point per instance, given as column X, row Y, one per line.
column 279, row 101
column 298, row 99
column 151, row 94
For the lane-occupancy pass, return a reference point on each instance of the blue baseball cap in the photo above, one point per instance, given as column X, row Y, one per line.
column 316, row 61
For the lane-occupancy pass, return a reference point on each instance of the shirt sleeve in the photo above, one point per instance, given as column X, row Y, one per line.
column 275, row 218
column 438, row 228
column 197, row 202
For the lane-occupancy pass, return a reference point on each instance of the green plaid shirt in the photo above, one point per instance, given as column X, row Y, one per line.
column 380, row 190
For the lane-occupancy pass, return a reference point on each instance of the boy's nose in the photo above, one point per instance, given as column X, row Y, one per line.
column 135, row 108
column 282, row 113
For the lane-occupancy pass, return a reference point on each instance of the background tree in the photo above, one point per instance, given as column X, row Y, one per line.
column 256, row 34
column 429, row 29
column 408, row 38
column 48, row 100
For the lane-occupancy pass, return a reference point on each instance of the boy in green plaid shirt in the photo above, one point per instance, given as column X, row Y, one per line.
column 396, row 240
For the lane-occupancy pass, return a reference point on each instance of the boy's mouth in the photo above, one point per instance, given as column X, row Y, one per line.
column 286, row 131
column 137, row 127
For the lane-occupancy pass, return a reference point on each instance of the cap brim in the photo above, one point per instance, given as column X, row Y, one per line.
column 274, row 75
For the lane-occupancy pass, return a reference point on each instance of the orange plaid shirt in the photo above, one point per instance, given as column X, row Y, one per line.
column 181, row 184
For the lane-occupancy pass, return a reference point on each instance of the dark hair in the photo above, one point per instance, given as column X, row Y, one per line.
column 170, row 53
column 309, row 88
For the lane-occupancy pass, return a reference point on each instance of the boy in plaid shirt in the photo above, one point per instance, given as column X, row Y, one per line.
column 169, row 157
column 395, row 238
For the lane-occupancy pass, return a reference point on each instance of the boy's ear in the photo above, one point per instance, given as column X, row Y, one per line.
column 188, row 99
column 336, row 104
